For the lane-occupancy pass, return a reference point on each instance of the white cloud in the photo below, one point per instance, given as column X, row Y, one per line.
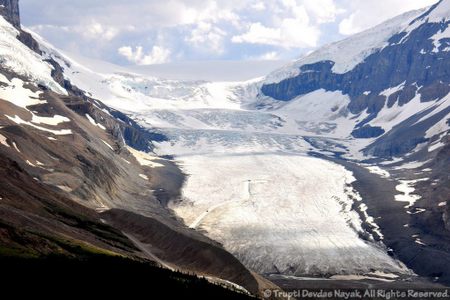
column 157, row 55
column 258, row 6
column 368, row 13
column 203, row 29
column 291, row 34
column 293, row 24
column 348, row 26
column 324, row 11
column 207, row 36
column 96, row 30
column 272, row 55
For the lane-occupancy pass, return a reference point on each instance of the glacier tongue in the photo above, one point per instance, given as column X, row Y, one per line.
column 277, row 212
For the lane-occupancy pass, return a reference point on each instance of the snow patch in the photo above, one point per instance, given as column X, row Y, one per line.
column 30, row 163
column 14, row 92
column 143, row 176
column 95, row 123
column 15, row 147
column 443, row 34
column 371, row 221
column 109, row 146
column 406, row 187
column 3, row 141
column 435, row 146
column 16, row 119
column 145, row 159
column 379, row 171
column 52, row 121
column 65, row 188
column 392, row 90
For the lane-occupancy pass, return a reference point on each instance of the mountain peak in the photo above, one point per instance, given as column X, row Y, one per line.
column 437, row 13
column 9, row 9
column 440, row 11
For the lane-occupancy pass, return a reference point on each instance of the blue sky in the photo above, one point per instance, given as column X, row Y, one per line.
column 142, row 32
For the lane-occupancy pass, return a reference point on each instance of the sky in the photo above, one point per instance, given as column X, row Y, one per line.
column 147, row 32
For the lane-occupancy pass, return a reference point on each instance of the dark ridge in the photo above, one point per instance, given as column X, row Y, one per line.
column 104, row 275
column 426, row 13
column 367, row 132
column 10, row 11
column 178, row 247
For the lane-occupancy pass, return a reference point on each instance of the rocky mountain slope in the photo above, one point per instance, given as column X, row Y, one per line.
column 74, row 180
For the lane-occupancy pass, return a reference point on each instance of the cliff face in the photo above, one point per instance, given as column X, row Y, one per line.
column 417, row 64
column 10, row 10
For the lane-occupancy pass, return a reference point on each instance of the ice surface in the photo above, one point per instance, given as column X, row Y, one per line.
column 298, row 221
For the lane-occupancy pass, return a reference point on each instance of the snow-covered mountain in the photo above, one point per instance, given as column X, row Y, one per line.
column 392, row 82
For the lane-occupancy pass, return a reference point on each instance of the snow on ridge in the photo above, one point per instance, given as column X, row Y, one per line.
column 131, row 92
column 439, row 13
column 15, row 93
column 16, row 56
column 444, row 34
column 351, row 51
